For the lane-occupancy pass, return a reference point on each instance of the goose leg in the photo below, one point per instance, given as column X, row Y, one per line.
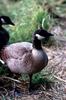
column 14, row 84
column 14, row 87
column 30, row 85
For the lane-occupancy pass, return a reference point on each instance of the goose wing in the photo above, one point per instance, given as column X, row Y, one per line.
column 15, row 50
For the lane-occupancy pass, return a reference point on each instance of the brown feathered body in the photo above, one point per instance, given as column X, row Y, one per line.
column 23, row 58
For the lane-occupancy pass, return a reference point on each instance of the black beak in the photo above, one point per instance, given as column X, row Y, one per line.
column 12, row 23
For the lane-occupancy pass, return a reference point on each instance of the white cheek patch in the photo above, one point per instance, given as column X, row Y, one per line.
column 39, row 37
column 3, row 21
column 2, row 61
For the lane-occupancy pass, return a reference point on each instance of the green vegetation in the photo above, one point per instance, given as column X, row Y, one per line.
column 27, row 16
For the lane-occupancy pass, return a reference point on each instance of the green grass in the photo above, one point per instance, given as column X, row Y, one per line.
column 27, row 16
column 21, row 13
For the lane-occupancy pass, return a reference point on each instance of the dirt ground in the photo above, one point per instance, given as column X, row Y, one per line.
column 57, row 65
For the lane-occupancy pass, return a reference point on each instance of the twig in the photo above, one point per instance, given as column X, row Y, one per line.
column 60, row 79
column 5, row 90
column 45, row 92
column 43, row 87
column 10, row 79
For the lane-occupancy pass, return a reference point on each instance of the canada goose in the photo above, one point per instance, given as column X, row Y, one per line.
column 4, row 34
column 25, row 57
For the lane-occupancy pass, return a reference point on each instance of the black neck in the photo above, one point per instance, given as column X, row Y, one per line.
column 36, row 43
column 4, row 37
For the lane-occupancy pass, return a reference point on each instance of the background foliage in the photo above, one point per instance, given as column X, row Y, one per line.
column 27, row 16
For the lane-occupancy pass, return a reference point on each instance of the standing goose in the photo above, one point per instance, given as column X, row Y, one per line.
column 24, row 57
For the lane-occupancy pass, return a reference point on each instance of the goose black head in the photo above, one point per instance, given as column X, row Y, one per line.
column 41, row 34
column 5, row 20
